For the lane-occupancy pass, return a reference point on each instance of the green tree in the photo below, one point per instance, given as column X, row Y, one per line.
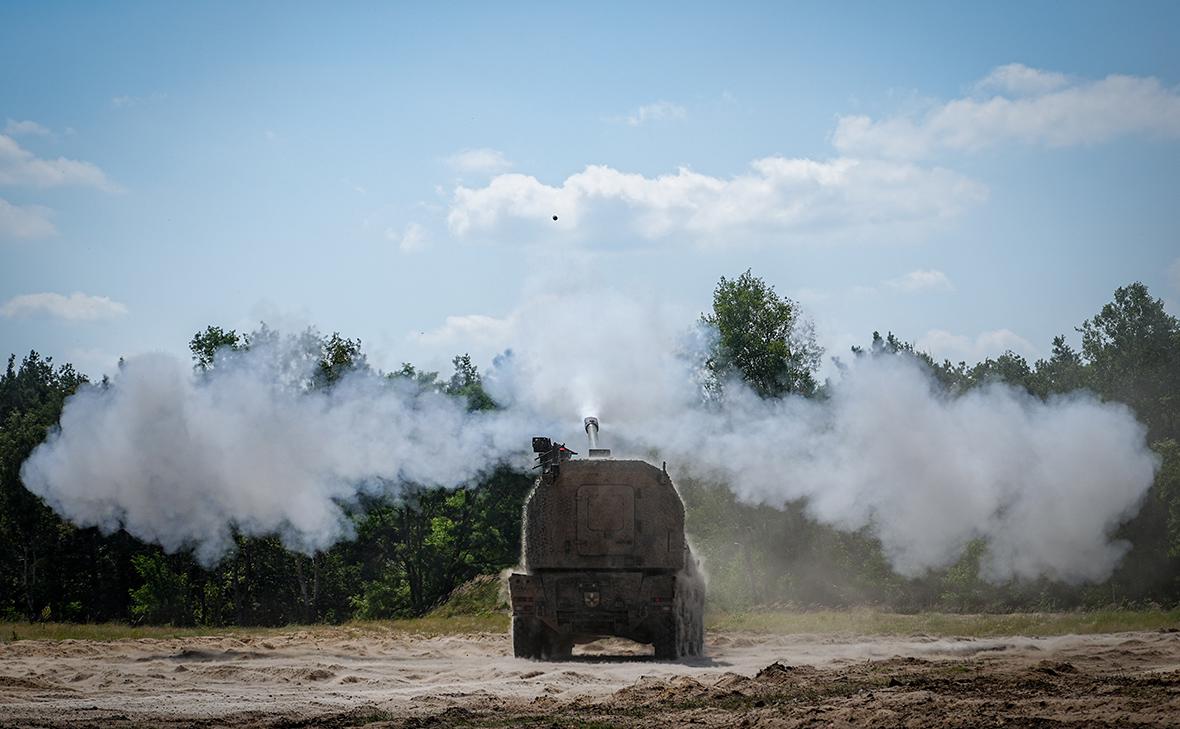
column 955, row 378
column 761, row 337
column 163, row 595
column 428, row 542
column 338, row 357
column 1009, row 368
column 1063, row 372
column 205, row 345
column 467, row 384
column 1168, row 483
column 1132, row 347
column 426, row 381
column 31, row 535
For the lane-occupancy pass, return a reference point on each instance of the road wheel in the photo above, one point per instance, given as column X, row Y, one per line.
column 690, row 610
column 526, row 637
column 558, row 648
column 694, row 630
column 665, row 642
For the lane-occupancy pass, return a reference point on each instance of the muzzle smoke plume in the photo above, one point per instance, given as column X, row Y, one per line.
column 183, row 460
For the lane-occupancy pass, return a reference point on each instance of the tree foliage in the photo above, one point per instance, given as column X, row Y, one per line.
column 761, row 338
column 1132, row 352
column 162, row 596
column 32, row 582
column 205, row 345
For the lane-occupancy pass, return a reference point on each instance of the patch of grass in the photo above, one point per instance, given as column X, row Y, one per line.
column 849, row 622
column 428, row 626
column 872, row 622
column 483, row 595
column 118, row 631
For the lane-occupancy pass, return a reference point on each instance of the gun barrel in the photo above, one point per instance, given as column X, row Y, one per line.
column 591, row 424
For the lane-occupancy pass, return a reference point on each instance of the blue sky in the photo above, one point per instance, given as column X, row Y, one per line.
column 972, row 178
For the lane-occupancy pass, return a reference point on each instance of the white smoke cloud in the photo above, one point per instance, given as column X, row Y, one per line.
column 182, row 460
column 1045, row 484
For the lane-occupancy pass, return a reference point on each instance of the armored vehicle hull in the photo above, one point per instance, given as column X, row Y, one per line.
column 606, row 555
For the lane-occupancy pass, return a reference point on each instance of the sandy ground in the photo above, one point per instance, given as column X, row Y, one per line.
column 341, row 678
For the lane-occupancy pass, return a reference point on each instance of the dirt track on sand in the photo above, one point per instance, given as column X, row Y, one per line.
column 342, row 678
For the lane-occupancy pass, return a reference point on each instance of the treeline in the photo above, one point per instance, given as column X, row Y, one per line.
column 411, row 551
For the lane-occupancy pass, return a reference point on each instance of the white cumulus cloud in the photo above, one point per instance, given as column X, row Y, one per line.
column 75, row 307
column 942, row 344
column 127, row 101
column 1015, row 103
column 1018, row 79
column 18, row 166
column 25, row 221
column 14, row 127
column 481, row 335
column 921, row 280
column 776, row 198
column 656, row 111
column 479, row 161
column 409, row 239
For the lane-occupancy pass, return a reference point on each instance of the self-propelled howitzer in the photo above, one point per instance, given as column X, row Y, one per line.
column 605, row 554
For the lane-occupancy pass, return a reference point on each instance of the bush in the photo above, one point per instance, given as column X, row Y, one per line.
column 162, row 596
